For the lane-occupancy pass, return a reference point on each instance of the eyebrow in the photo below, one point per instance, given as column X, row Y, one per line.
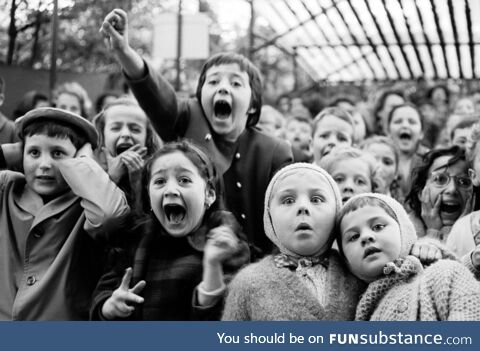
column 180, row 169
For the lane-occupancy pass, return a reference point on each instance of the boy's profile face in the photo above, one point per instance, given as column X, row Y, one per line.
column 302, row 210
column 330, row 131
column 370, row 239
column 41, row 156
column 125, row 126
column 226, row 99
column 352, row 176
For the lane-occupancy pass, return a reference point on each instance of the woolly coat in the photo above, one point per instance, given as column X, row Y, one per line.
column 247, row 165
column 446, row 290
column 262, row 291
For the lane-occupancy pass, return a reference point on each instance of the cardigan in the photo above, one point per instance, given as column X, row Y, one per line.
column 446, row 290
column 51, row 254
column 262, row 291
column 247, row 165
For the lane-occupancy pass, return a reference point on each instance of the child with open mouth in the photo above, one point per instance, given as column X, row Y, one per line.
column 405, row 128
column 172, row 265
column 126, row 140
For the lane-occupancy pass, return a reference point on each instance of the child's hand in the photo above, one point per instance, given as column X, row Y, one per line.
column 426, row 252
column 468, row 204
column 85, row 151
column 221, row 244
column 133, row 158
column 120, row 304
column 115, row 28
column 476, row 257
column 115, row 167
column 431, row 210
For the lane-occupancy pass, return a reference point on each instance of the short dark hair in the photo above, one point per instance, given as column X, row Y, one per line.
column 420, row 174
column 246, row 66
column 407, row 104
column 56, row 130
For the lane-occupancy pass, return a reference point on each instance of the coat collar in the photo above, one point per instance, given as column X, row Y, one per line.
column 32, row 203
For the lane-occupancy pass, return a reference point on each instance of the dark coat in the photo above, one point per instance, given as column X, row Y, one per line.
column 247, row 165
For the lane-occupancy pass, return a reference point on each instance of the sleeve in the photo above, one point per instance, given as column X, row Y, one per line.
column 237, row 301
column 157, row 98
column 211, row 312
column 467, row 262
column 102, row 200
column 105, row 287
column 460, row 239
column 282, row 156
column 3, row 162
column 456, row 292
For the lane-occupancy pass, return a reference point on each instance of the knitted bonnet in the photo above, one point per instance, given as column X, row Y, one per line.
column 407, row 230
column 292, row 169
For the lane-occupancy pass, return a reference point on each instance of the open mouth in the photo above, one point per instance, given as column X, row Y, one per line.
column 174, row 213
column 370, row 251
column 222, row 109
column 346, row 198
column 450, row 207
column 405, row 136
column 123, row 147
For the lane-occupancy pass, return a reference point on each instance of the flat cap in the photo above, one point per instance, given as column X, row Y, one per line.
column 55, row 114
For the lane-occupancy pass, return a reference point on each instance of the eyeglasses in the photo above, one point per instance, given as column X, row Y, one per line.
column 443, row 179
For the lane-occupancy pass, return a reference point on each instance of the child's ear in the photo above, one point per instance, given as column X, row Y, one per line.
column 473, row 176
column 210, row 196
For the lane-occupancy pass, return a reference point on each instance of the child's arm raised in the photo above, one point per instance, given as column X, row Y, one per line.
column 154, row 94
column 115, row 29
column 11, row 155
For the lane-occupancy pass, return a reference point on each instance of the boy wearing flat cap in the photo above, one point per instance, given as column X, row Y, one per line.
column 52, row 217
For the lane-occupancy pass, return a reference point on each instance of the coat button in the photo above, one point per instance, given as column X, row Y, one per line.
column 237, row 155
column 243, row 216
column 208, row 137
column 239, row 185
column 31, row 280
column 402, row 307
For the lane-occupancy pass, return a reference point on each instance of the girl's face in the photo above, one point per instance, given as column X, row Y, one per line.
column 405, row 129
column 385, row 157
column 330, row 131
column 390, row 102
column 69, row 102
column 370, row 239
column 125, row 126
column 303, row 211
column 352, row 177
column 452, row 184
column 299, row 134
column 178, row 194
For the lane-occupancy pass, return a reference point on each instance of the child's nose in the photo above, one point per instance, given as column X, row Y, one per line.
column 125, row 132
column 367, row 237
column 171, row 189
column 45, row 162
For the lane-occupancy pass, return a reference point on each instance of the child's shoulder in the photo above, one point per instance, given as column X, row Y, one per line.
column 258, row 272
column 444, row 271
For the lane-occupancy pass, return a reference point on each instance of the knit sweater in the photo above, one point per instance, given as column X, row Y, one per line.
column 445, row 290
column 262, row 291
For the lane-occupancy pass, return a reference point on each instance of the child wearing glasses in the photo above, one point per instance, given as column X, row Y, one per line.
column 441, row 192
column 465, row 234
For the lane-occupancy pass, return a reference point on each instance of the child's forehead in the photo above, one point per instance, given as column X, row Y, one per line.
column 351, row 165
column 333, row 122
column 125, row 113
column 175, row 160
column 300, row 179
column 227, row 68
column 42, row 139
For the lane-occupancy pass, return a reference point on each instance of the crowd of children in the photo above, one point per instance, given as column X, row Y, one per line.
column 219, row 208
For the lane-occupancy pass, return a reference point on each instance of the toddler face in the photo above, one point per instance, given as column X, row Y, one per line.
column 464, row 107
column 370, row 238
column 331, row 131
column 299, row 134
column 41, row 156
column 226, row 98
column 352, row 177
column 405, row 129
column 303, row 211
column 125, row 126
column 385, row 156
column 178, row 194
